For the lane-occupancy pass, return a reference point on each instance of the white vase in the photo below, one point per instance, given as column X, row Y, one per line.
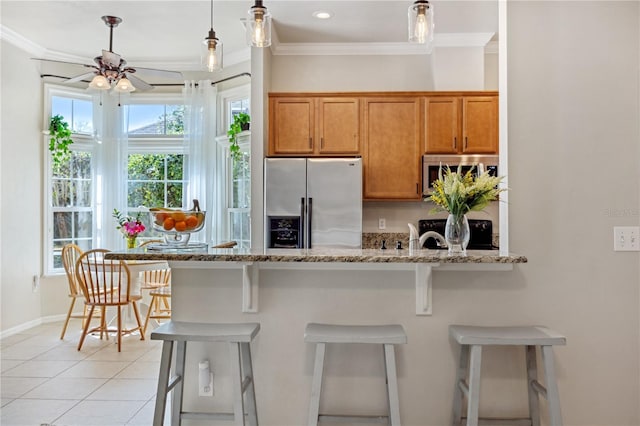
column 457, row 234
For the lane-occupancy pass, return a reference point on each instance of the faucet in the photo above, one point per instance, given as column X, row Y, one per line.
column 416, row 241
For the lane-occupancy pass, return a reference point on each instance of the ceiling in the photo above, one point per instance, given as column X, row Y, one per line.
column 167, row 34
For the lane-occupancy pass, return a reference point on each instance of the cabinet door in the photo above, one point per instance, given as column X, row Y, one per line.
column 292, row 126
column 442, row 125
column 480, row 124
column 339, row 126
column 392, row 145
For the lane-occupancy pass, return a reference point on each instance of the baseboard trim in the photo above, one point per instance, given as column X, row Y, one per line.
column 30, row 324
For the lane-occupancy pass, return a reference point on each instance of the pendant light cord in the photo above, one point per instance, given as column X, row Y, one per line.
column 211, row 14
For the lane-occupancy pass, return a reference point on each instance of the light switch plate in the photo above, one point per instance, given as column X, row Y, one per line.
column 626, row 238
column 382, row 223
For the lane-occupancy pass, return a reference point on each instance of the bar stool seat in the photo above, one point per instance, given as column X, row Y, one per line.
column 386, row 335
column 238, row 336
column 473, row 338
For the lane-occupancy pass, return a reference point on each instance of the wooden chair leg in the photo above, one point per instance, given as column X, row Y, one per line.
column 553, row 397
column 316, row 385
column 392, row 385
column 473, row 402
column 149, row 313
column 136, row 313
column 461, row 374
column 66, row 322
column 86, row 328
column 532, row 376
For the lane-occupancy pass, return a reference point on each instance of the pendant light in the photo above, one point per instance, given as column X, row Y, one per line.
column 211, row 51
column 124, row 86
column 100, row 82
column 421, row 22
column 259, row 26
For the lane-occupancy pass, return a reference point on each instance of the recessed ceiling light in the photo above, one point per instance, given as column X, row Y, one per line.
column 322, row 14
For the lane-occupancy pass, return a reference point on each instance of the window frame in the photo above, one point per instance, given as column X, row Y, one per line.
column 82, row 142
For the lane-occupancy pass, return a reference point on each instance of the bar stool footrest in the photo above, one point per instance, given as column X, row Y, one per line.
column 344, row 417
column 487, row 421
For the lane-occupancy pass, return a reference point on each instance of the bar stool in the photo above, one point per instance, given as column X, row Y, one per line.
column 238, row 336
column 386, row 335
column 473, row 338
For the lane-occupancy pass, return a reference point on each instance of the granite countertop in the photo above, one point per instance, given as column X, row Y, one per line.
column 316, row 255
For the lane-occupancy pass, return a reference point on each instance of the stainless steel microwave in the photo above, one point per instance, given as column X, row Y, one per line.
column 431, row 165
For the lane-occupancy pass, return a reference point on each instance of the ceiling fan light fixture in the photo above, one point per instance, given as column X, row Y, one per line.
column 124, row 86
column 259, row 26
column 421, row 22
column 100, row 82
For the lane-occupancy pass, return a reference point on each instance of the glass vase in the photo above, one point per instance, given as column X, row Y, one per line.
column 131, row 242
column 456, row 234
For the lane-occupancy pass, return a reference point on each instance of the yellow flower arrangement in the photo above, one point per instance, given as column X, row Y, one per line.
column 459, row 193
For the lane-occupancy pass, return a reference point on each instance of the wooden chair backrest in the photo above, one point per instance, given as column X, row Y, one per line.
column 157, row 277
column 103, row 281
column 70, row 255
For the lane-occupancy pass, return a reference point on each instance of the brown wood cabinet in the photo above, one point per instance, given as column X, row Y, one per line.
column 461, row 125
column 314, row 126
column 392, row 145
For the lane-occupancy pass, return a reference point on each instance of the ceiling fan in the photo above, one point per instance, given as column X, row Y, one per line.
column 111, row 68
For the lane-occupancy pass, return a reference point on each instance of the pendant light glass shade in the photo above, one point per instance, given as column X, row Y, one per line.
column 124, row 86
column 421, row 22
column 100, row 82
column 259, row 26
column 211, row 52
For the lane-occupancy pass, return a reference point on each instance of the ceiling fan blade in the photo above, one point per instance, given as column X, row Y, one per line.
column 79, row 77
column 160, row 73
column 139, row 83
column 110, row 58
column 63, row 62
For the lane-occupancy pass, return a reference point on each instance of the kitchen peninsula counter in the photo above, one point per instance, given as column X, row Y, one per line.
column 320, row 256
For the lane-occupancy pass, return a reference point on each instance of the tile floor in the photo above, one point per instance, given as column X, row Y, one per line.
column 46, row 381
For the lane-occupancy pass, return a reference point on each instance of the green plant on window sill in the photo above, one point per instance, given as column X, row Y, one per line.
column 240, row 123
column 60, row 139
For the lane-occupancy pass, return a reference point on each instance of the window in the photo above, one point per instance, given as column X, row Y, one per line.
column 69, row 208
column 155, row 168
column 236, row 182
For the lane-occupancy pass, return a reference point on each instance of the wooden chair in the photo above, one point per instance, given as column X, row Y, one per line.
column 70, row 255
column 105, row 283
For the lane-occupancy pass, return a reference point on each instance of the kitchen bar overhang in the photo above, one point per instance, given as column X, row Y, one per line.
column 421, row 262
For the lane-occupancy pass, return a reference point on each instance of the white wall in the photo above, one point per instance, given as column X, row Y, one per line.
column 21, row 180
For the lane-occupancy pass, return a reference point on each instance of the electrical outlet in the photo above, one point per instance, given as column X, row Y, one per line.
column 35, row 283
column 382, row 223
column 205, row 379
column 626, row 238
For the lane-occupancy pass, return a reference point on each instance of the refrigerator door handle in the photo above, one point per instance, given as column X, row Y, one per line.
column 303, row 227
column 309, row 227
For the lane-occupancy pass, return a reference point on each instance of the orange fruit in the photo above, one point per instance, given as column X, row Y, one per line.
column 160, row 217
column 181, row 226
column 168, row 224
column 178, row 216
column 191, row 221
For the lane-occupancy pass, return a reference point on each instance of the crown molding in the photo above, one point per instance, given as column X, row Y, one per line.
column 399, row 48
column 21, row 42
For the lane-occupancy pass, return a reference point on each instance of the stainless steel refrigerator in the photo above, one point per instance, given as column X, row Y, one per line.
column 313, row 202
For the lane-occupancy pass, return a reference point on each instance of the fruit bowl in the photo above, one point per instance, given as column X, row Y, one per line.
column 176, row 225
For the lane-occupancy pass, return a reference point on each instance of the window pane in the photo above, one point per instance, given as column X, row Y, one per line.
column 148, row 194
column 145, row 119
column 82, row 116
column 83, row 224
column 61, row 193
column 83, row 193
column 61, row 106
column 62, row 225
column 81, row 165
column 175, row 166
column 146, row 167
column 174, row 195
column 175, row 119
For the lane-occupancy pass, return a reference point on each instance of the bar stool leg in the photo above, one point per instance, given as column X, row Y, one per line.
column 392, row 385
column 553, row 397
column 316, row 385
column 532, row 375
column 461, row 374
column 236, row 374
column 474, row 385
column 176, row 404
column 247, row 368
column 163, row 383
